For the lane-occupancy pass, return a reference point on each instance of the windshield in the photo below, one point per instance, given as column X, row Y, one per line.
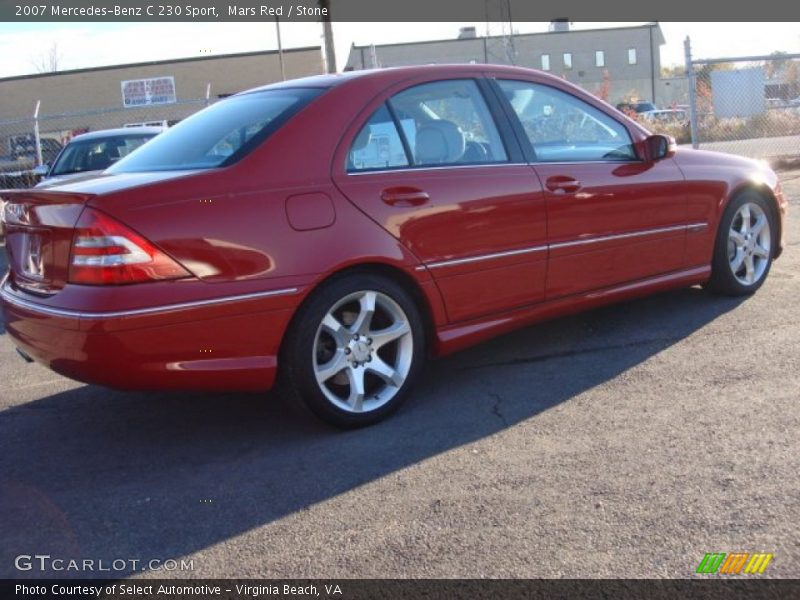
column 96, row 154
column 220, row 134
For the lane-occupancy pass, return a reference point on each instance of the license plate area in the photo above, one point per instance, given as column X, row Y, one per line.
column 32, row 260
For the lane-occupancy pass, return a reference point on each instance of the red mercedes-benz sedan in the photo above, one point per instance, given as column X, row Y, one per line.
column 331, row 232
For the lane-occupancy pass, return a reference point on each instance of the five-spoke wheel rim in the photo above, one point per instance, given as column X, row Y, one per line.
column 363, row 351
column 749, row 244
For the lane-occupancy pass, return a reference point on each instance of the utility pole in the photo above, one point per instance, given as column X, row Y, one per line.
column 280, row 49
column 327, row 34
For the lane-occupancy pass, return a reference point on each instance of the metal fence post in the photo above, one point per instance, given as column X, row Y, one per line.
column 36, row 137
column 690, row 75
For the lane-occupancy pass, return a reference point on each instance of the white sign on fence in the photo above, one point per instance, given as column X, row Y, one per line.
column 146, row 92
column 738, row 93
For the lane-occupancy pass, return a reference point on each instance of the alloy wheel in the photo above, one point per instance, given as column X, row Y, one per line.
column 363, row 351
column 749, row 243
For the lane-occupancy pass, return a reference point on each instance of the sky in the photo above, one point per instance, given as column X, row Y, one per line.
column 82, row 45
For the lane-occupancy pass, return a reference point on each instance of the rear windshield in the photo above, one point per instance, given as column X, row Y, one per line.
column 220, row 134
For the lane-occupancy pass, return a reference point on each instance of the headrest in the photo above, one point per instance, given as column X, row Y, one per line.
column 439, row 142
column 362, row 139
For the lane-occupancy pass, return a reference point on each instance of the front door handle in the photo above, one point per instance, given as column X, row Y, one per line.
column 561, row 184
column 404, row 196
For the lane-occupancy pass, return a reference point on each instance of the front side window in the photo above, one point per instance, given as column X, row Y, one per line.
column 378, row 145
column 220, row 134
column 448, row 122
column 563, row 128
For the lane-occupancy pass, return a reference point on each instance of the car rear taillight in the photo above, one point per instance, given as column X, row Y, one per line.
column 106, row 252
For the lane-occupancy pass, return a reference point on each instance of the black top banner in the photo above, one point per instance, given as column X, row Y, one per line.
column 391, row 10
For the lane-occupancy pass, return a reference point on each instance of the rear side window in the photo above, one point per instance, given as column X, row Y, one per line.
column 220, row 134
column 378, row 145
column 448, row 123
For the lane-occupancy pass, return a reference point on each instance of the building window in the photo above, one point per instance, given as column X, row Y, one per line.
column 567, row 60
column 599, row 59
column 545, row 62
column 631, row 56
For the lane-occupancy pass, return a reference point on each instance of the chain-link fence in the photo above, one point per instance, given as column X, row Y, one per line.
column 30, row 142
column 743, row 105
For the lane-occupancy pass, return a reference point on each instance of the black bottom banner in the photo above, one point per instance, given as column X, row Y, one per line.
column 357, row 589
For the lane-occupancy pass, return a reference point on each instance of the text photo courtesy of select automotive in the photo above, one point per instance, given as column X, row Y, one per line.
column 468, row 297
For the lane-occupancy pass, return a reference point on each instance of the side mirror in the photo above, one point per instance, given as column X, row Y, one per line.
column 41, row 170
column 660, row 146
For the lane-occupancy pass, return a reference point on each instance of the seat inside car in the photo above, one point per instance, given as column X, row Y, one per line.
column 97, row 161
column 439, row 142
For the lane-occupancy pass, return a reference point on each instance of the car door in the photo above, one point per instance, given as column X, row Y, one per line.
column 434, row 166
column 612, row 217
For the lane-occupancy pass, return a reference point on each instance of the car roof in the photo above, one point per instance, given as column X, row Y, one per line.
column 396, row 74
column 130, row 131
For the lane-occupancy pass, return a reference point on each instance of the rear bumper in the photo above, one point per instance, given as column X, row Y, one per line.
column 228, row 344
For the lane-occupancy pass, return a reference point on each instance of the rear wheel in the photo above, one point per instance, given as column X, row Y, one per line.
column 744, row 246
column 354, row 350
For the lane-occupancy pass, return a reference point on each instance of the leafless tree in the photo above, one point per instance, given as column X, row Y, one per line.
column 49, row 61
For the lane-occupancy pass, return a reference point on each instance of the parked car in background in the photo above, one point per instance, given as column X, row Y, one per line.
column 18, row 168
column 636, row 107
column 95, row 151
column 337, row 230
column 665, row 115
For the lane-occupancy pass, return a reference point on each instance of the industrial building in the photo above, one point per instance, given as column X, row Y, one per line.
column 628, row 58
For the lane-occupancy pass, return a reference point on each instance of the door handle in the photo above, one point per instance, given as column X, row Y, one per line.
column 562, row 184
column 404, row 196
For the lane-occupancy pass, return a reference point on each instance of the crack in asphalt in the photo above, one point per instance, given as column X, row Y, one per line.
column 498, row 399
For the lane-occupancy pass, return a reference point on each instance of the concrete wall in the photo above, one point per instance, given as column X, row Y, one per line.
column 672, row 90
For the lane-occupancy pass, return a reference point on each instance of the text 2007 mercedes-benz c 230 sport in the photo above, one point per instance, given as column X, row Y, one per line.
column 331, row 232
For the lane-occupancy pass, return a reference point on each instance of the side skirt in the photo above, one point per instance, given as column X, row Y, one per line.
column 453, row 338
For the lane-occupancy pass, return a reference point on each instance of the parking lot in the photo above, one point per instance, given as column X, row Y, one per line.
column 624, row 442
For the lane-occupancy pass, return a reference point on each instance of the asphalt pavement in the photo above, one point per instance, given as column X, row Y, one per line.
column 624, row 442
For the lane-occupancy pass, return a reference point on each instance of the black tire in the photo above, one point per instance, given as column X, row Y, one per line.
column 302, row 347
column 723, row 280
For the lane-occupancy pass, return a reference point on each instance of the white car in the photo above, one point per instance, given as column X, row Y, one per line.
column 666, row 115
column 93, row 152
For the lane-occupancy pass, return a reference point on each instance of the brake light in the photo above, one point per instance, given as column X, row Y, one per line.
column 106, row 252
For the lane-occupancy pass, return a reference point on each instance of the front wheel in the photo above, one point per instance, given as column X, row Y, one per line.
column 744, row 246
column 354, row 350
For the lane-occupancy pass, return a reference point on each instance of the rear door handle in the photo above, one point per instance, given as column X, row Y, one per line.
column 562, row 184
column 404, row 196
